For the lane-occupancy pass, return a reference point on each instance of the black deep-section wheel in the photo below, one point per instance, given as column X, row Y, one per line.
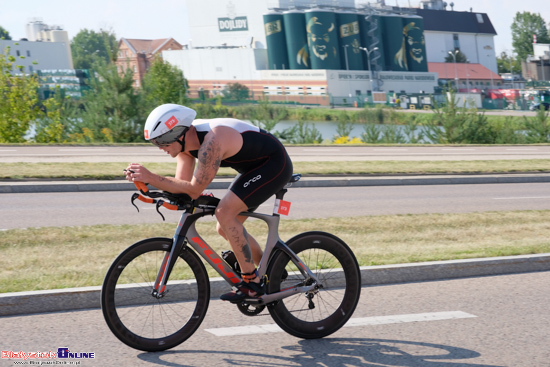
column 142, row 320
column 321, row 312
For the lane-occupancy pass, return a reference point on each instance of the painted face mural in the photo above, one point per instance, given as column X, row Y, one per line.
column 318, row 38
column 415, row 42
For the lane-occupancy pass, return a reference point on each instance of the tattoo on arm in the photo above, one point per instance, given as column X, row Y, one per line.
column 209, row 158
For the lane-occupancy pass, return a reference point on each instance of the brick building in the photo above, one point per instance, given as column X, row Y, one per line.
column 137, row 54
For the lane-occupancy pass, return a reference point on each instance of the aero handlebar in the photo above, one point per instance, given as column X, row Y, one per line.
column 170, row 201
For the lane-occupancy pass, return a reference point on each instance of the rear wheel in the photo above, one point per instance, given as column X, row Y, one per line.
column 151, row 322
column 323, row 311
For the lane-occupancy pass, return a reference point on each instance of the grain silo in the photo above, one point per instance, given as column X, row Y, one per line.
column 296, row 39
column 413, row 32
column 349, row 37
column 322, row 38
column 371, row 38
column 277, row 54
column 394, row 43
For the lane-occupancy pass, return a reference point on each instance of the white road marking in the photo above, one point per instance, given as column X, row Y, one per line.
column 517, row 149
column 391, row 149
column 82, row 149
column 320, row 150
column 458, row 149
column 359, row 321
column 523, row 198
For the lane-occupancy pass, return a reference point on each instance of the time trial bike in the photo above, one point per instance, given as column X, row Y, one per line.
column 156, row 293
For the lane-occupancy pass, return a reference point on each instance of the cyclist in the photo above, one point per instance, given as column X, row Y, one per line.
column 260, row 159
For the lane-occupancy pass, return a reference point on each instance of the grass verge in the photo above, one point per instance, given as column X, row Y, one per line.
column 62, row 257
column 110, row 171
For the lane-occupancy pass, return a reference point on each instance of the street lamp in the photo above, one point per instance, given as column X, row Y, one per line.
column 346, row 55
column 368, row 62
column 511, row 67
column 467, row 75
column 491, row 73
column 453, row 54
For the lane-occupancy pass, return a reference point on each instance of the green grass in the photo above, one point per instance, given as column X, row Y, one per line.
column 111, row 171
column 62, row 257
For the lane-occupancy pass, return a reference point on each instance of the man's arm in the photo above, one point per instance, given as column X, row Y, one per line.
column 209, row 157
column 217, row 144
column 209, row 160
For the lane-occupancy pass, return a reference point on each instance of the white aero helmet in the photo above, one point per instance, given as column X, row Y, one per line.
column 167, row 123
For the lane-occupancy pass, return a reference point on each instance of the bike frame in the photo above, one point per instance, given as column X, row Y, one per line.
column 186, row 234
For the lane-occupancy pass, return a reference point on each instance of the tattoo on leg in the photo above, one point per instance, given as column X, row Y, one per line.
column 242, row 242
column 247, row 254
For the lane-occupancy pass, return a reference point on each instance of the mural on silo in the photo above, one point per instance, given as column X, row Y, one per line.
column 277, row 55
column 322, row 39
column 351, row 57
column 325, row 39
column 396, row 58
column 296, row 39
column 414, row 43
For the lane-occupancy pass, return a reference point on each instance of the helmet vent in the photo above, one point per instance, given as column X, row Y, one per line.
column 157, row 125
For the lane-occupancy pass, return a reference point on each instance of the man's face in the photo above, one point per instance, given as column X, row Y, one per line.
column 318, row 36
column 416, row 44
column 172, row 149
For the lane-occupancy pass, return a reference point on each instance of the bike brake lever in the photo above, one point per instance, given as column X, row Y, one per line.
column 159, row 204
column 134, row 197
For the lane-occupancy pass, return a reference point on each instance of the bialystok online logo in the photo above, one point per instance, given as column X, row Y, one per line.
column 62, row 353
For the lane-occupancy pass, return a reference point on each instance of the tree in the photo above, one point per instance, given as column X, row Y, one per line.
column 452, row 124
column 164, row 83
column 50, row 127
column 88, row 47
column 266, row 115
column 4, row 34
column 460, row 57
column 112, row 111
column 18, row 100
column 524, row 26
column 236, row 91
column 507, row 64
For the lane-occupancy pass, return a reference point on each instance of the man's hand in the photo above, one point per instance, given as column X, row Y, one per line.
column 137, row 172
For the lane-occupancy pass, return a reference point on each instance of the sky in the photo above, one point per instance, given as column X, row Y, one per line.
column 167, row 18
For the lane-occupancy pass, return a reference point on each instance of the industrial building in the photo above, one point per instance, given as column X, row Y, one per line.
column 46, row 51
column 537, row 66
column 320, row 51
column 45, row 47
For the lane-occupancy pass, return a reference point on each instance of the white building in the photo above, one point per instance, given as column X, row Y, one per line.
column 537, row 66
column 38, row 31
column 45, row 48
column 39, row 55
column 471, row 33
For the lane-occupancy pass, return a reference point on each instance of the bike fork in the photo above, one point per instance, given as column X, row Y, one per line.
column 159, row 289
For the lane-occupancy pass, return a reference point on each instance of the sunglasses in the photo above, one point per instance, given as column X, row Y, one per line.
column 169, row 137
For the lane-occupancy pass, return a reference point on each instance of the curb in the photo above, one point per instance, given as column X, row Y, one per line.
column 70, row 299
column 40, row 186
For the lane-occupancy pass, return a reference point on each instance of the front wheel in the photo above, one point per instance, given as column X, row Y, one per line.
column 144, row 320
column 323, row 311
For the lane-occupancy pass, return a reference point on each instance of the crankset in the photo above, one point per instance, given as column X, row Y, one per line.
column 250, row 310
